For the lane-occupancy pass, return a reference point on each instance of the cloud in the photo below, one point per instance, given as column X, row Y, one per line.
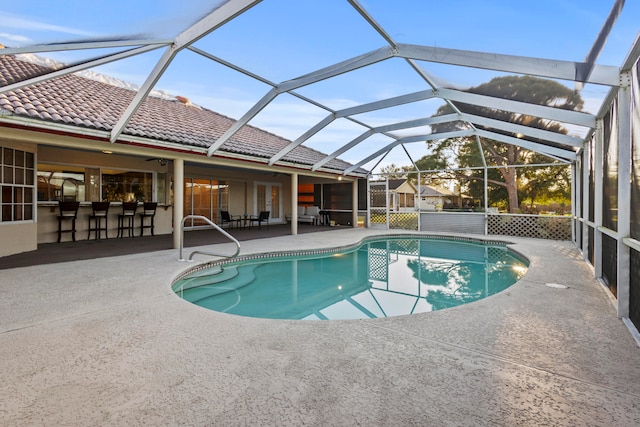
column 15, row 38
column 12, row 21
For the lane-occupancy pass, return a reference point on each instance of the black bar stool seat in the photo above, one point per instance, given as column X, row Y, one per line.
column 96, row 219
column 126, row 218
column 68, row 214
column 148, row 211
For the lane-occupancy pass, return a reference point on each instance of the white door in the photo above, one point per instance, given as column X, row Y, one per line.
column 267, row 196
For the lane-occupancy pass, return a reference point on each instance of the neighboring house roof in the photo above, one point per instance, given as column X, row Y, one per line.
column 87, row 103
column 394, row 184
column 406, row 187
column 429, row 191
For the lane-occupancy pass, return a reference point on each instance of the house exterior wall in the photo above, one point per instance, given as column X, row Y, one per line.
column 25, row 236
column 431, row 203
column 17, row 238
column 85, row 157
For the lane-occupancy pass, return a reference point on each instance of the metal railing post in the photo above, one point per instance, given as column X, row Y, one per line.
column 212, row 225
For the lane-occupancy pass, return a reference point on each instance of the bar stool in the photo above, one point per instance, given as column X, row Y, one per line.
column 126, row 218
column 100, row 210
column 148, row 211
column 68, row 213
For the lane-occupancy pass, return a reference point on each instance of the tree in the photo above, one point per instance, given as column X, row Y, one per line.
column 552, row 183
column 465, row 152
column 392, row 171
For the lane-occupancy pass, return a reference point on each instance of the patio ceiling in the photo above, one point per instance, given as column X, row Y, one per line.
column 404, row 83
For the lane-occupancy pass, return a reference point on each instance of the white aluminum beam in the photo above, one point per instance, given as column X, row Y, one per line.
column 269, row 83
column 342, row 149
column 308, row 134
column 594, row 52
column 418, row 138
column 314, row 77
column 525, row 130
column 148, row 85
column 418, row 122
column 79, row 67
column 209, row 23
column 377, row 105
column 543, row 111
column 367, row 17
column 337, row 69
column 262, row 79
column 434, row 136
column 556, row 69
column 61, row 47
column 633, row 55
column 220, row 16
column 259, row 106
column 386, row 103
column 529, row 145
column 383, row 150
column 382, row 129
column 231, row 65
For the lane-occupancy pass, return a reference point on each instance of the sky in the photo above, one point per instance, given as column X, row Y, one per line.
column 283, row 39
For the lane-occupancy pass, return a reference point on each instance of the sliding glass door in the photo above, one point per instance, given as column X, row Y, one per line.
column 268, row 197
column 205, row 197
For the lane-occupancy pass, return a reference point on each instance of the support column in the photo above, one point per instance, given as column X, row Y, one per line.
column 574, row 210
column 386, row 201
column 624, row 192
column 294, row 204
column 178, row 200
column 354, row 204
column 419, row 201
column 486, row 200
column 485, row 185
column 598, row 196
column 586, row 166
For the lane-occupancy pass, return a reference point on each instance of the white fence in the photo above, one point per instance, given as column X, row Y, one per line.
column 535, row 226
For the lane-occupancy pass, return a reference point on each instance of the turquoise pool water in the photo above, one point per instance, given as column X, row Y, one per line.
column 379, row 278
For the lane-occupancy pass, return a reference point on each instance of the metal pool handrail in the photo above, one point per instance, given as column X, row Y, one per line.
column 211, row 225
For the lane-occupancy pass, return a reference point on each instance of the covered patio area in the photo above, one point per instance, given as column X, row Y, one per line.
column 81, row 249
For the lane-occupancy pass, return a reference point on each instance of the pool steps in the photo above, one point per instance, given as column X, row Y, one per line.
column 208, row 277
column 199, row 290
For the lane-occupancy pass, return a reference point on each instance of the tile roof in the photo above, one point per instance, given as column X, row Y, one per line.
column 82, row 102
column 393, row 183
column 427, row 190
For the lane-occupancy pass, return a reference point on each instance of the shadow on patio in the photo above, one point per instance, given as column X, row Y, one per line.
column 50, row 253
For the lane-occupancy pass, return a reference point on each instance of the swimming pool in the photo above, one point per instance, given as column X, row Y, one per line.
column 378, row 277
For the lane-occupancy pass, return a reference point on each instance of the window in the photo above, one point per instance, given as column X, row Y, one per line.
column 126, row 186
column 58, row 182
column 77, row 183
column 17, row 182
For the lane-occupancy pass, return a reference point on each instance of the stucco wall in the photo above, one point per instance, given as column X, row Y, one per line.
column 18, row 237
column 47, row 229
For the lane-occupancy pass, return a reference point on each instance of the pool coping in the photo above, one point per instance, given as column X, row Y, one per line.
column 304, row 252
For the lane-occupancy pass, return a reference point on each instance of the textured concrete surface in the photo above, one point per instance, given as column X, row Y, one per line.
column 106, row 342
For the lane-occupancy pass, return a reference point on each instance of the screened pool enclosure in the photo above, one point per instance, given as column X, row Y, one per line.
column 498, row 123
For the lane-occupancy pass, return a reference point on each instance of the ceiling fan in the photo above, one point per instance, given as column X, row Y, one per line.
column 161, row 162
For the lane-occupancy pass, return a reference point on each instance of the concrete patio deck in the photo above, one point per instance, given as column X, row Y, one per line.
column 106, row 342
